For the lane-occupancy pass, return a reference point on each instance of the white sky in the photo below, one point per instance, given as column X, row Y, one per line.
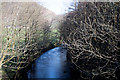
column 57, row 6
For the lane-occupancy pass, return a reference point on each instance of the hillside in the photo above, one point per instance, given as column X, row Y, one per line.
column 24, row 13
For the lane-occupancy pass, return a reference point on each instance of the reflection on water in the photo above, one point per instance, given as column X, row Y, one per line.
column 51, row 64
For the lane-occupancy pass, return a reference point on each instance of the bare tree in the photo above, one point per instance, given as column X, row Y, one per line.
column 23, row 24
column 91, row 34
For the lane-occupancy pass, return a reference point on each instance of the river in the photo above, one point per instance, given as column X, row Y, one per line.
column 51, row 64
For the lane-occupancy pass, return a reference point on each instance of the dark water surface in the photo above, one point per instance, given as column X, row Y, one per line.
column 51, row 64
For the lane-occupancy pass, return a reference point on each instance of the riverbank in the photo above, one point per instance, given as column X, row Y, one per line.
column 22, row 73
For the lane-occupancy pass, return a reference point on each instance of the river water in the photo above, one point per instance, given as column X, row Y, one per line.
column 52, row 64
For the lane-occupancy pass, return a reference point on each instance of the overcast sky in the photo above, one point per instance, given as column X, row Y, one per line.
column 57, row 6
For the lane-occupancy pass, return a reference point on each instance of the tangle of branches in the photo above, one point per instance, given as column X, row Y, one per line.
column 91, row 34
column 25, row 35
